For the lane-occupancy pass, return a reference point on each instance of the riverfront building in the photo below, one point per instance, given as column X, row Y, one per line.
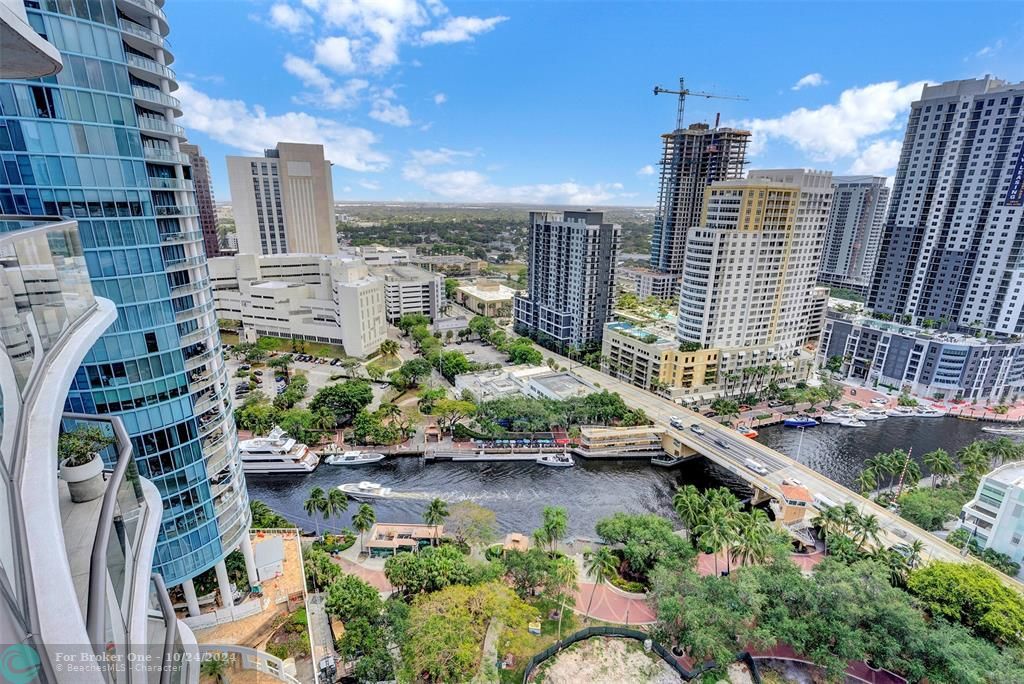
column 855, row 226
column 571, row 278
column 750, row 268
column 304, row 297
column 645, row 357
column 98, row 142
column 927, row 362
column 284, row 201
column 951, row 248
column 995, row 516
column 691, row 159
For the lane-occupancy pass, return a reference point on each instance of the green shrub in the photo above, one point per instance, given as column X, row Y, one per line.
column 627, row 585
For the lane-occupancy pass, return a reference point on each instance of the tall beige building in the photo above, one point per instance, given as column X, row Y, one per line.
column 750, row 266
column 284, row 201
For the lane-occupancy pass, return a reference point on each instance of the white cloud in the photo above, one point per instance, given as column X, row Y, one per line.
column 251, row 130
column 810, row 81
column 440, row 98
column 473, row 186
column 442, row 155
column 347, row 188
column 878, row 158
column 329, row 94
column 335, row 53
column 289, row 18
column 367, row 35
column 386, row 111
column 369, row 185
column 647, row 170
column 989, row 50
column 460, row 29
column 838, row 130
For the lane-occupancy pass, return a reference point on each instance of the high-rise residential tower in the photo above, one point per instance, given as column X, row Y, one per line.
column 204, row 198
column 750, row 267
column 98, row 143
column 952, row 248
column 691, row 159
column 571, row 278
column 854, row 232
column 284, row 201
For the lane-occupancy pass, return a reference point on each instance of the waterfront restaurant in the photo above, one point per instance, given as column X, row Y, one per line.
column 388, row 539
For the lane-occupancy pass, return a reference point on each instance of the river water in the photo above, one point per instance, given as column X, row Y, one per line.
column 518, row 492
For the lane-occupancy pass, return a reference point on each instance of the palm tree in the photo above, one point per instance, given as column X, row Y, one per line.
column 866, row 481
column 566, row 575
column 335, row 503
column 282, row 362
column 752, row 531
column 973, row 459
column 314, row 505
column 916, row 550
column 939, row 462
column 555, row 525
column 829, row 522
column 601, row 565
column 867, row 528
column 716, row 532
column 435, row 514
column 689, row 506
column 363, row 520
column 375, row 371
column 389, row 348
column 1002, row 449
column 390, row 410
column 216, row 666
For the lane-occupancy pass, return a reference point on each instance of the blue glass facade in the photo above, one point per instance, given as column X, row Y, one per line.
column 85, row 144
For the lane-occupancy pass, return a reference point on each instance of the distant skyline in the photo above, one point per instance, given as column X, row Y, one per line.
column 551, row 103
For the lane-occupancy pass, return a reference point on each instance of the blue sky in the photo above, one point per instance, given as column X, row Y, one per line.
column 550, row 102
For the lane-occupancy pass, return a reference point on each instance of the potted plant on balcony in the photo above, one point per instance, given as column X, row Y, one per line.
column 80, row 463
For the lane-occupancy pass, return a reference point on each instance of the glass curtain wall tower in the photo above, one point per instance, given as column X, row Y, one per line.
column 98, row 143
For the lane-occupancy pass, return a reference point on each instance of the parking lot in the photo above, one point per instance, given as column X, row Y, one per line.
column 476, row 351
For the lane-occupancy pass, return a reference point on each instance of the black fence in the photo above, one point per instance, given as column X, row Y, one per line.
column 627, row 633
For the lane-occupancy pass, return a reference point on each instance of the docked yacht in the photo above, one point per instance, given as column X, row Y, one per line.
column 901, row 412
column 928, row 412
column 276, row 453
column 838, row 416
column 366, row 490
column 800, row 421
column 853, row 422
column 556, row 460
column 747, row 431
column 352, row 458
column 871, row 414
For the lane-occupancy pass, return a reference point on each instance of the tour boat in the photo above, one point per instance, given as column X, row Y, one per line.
column 853, row 422
column 1011, row 431
column 800, row 421
column 353, row 458
column 747, row 431
column 837, row 416
column 366, row 490
column 556, row 460
column 276, row 453
column 928, row 412
column 871, row 414
column 901, row 412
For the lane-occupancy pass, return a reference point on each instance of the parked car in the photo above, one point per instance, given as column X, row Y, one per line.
column 244, row 366
column 257, row 372
column 335, row 362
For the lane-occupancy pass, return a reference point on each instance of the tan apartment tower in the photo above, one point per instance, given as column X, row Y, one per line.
column 284, row 201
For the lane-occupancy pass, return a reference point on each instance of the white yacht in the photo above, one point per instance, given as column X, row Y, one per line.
column 276, row 453
column 853, row 422
column 366, row 490
column 872, row 414
column 901, row 412
column 838, row 416
column 556, row 460
column 928, row 412
column 1011, row 431
column 352, row 458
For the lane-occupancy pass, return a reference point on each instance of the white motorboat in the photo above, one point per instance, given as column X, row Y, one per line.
column 838, row 416
column 853, row 422
column 871, row 414
column 352, row 458
column 276, row 453
column 556, row 460
column 366, row 490
column 1009, row 431
column 901, row 412
column 928, row 412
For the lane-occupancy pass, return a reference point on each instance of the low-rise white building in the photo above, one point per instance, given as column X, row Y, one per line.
column 379, row 255
column 995, row 516
column 532, row 381
column 411, row 290
column 302, row 296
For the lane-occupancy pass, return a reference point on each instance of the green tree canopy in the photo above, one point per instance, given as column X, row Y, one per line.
column 342, row 400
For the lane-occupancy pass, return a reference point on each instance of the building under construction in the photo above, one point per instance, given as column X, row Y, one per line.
column 692, row 159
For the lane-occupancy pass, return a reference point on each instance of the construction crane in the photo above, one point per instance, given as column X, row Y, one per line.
column 683, row 92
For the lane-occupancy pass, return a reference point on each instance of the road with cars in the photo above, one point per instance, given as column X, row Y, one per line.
column 731, row 450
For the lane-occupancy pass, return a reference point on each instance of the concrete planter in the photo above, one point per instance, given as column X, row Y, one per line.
column 85, row 482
